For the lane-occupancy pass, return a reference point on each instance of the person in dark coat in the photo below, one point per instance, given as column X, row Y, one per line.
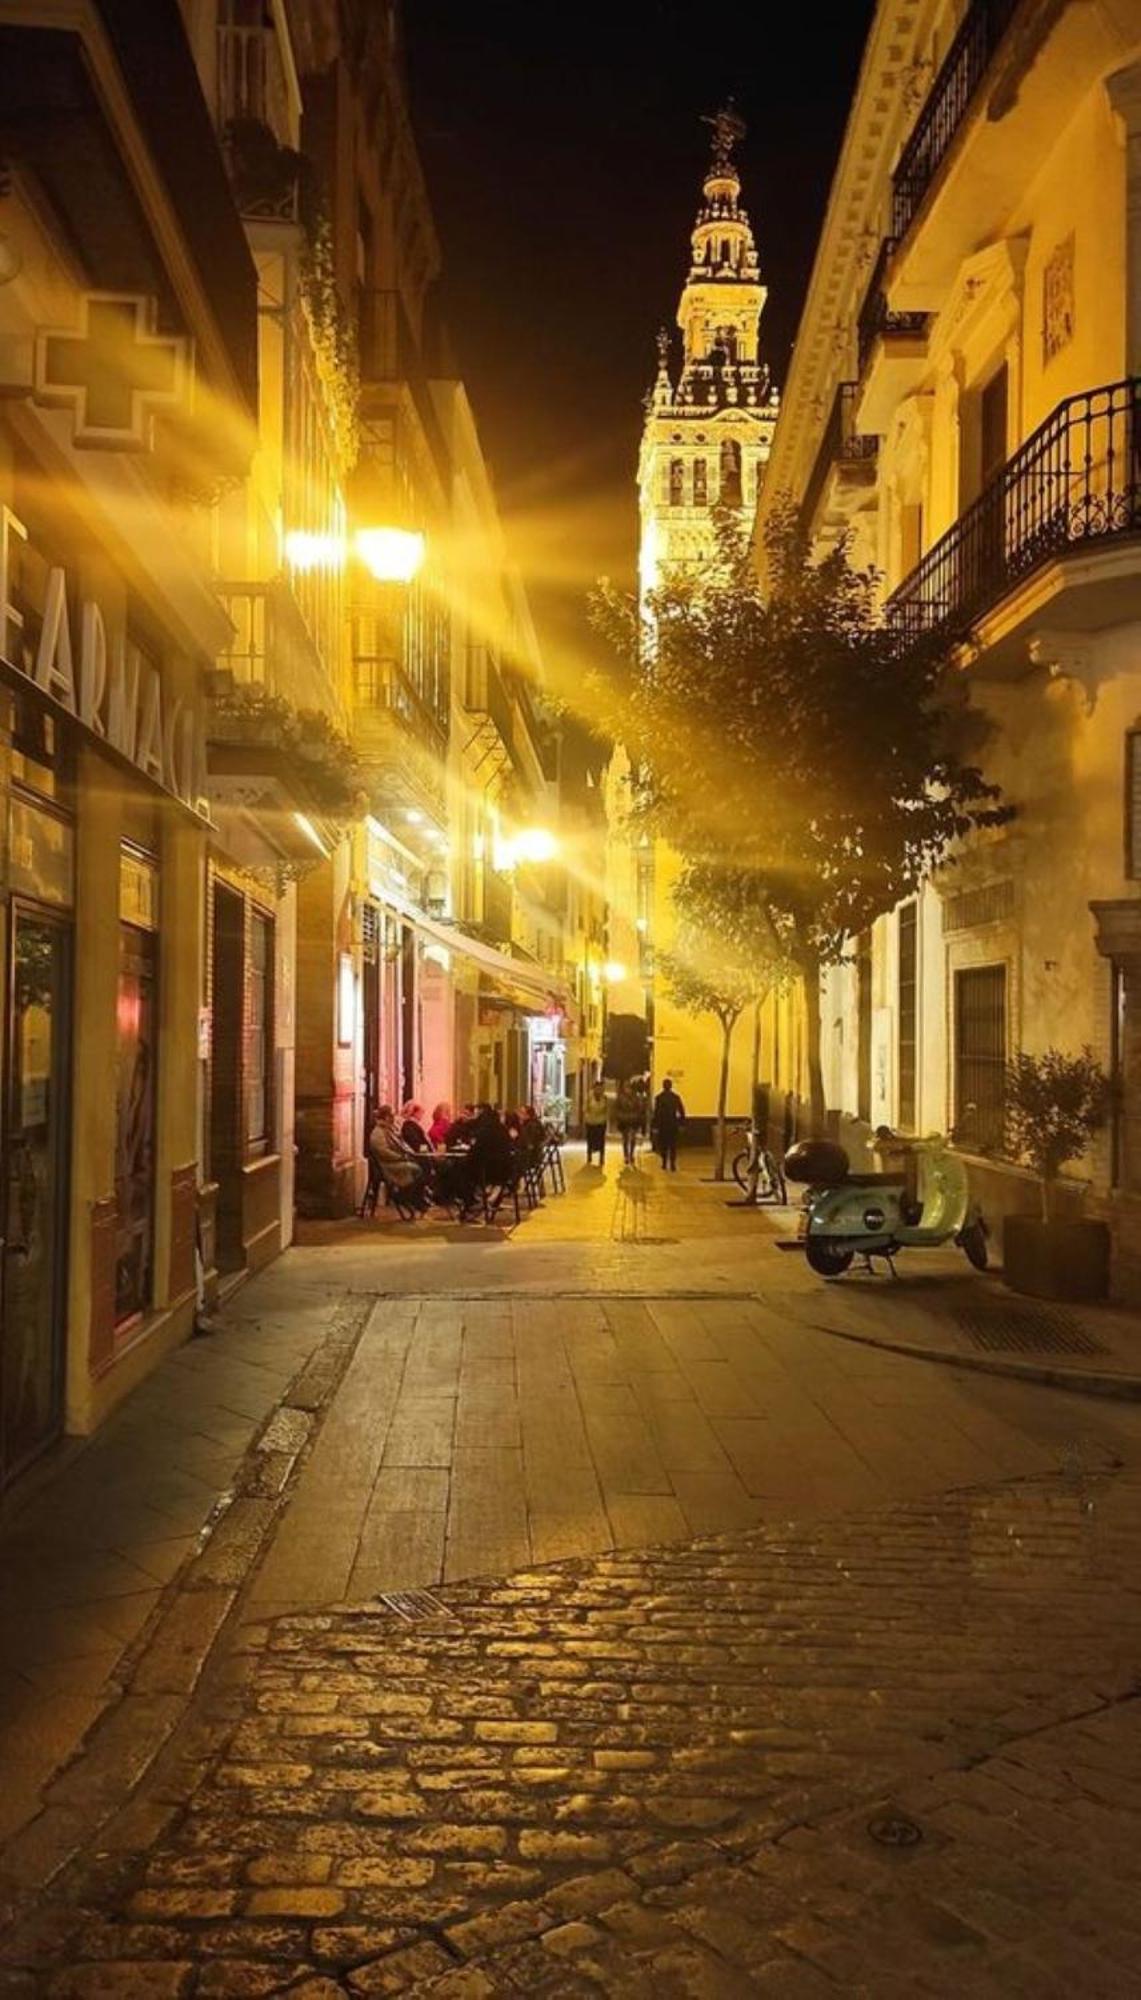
column 667, row 1121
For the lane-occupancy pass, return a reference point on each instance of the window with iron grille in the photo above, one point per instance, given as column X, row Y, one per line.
column 1133, row 805
column 259, row 1036
column 980, row 1057
column 908, row 1013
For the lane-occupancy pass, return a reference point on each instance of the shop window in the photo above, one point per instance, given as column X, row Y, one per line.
column 136, row 1020
column 980, row 1057
column 908, row 1013
column 259, row 1032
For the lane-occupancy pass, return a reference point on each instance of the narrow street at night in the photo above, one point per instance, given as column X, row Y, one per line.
column 570, row 1000
column 616, row 1629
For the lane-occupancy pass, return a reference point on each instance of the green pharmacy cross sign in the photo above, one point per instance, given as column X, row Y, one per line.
column 114, row 371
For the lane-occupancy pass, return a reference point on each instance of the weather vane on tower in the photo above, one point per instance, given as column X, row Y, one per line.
column 728, row 127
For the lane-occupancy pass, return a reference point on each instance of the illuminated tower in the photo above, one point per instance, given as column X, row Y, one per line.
column 707, row 434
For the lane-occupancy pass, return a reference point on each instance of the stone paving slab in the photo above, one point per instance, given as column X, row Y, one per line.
column 654, row 1773
column 88, row 1547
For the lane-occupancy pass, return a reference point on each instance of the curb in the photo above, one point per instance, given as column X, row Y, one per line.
column 1081, row 1381
column 152, row 1685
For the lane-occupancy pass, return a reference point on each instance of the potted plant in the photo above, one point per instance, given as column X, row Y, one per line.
column 1055, row 1103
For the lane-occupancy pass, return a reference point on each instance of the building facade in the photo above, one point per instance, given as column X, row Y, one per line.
column 127, row 324
column 278, row 810
column 962, row 404
column 705, row 443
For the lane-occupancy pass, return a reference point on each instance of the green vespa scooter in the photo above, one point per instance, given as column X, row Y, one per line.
column 920, row 1207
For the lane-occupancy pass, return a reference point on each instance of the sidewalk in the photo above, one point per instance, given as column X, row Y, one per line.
column 89, row 1541
column 938, row 1309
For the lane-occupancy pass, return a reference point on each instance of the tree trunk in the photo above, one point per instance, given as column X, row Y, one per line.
column 723, row 1097
column 756, row 1053
column 810, row 972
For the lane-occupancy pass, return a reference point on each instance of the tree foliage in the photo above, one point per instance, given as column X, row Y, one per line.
column 811, row 768
column 1055, row 1104
column 704, row 978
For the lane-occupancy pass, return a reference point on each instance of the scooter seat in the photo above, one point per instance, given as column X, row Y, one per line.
column 876, row 1180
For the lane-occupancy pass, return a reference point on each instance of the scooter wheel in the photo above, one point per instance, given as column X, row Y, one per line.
column 972, row 1243
column 741, row 1171
column 826, row 1258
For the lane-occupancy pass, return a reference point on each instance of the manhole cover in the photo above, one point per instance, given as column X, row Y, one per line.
column 894, row 1830
column 1026, row 1330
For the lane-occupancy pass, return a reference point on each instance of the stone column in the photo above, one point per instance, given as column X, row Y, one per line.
column 91, row 1267
column 1124, row 89
column 181, row 888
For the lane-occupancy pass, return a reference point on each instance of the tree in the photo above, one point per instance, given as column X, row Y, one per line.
column 810, row 764
column 699, row 984
column 1054, row 1105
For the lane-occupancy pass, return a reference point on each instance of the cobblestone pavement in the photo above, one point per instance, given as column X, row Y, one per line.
column 743, row 1593
column 655, row 1773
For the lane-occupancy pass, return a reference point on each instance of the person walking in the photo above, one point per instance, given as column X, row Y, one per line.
column 629, row 1117
column 594, row 1119
column 667, row 1121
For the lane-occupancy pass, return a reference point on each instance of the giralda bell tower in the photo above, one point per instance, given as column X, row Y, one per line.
column 707, row 433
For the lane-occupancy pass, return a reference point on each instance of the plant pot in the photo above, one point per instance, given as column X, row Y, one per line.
column 1055, row 1260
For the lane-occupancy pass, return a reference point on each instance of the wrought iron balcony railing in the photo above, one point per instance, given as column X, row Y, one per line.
column 272, row 647
column 840, row 445
column 1076, row 482
column 947, row 103
column 383, row 687
column 876, row 317
column 485, row 692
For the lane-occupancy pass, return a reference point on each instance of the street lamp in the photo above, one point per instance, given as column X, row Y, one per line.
column 391, row 555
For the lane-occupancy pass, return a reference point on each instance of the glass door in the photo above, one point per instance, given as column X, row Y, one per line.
column 32, row 1286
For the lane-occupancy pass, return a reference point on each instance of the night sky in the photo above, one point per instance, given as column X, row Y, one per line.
column 564, row 154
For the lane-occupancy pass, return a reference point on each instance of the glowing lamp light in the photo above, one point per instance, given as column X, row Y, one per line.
column 392, row 555
column 534, row 843
column 306, row 552
column 613, row 973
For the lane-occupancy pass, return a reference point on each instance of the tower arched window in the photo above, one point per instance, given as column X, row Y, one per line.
column 730, row 473
column 700, row 483
column 677, row 482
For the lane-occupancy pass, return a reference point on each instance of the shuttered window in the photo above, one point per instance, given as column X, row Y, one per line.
column 980, row 1057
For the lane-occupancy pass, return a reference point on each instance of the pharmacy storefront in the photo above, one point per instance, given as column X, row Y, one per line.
column 101, row 784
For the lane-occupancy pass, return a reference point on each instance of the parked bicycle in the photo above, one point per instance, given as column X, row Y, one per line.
column 756, row 1170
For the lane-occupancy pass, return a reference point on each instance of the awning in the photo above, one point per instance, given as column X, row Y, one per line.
column 533, row 984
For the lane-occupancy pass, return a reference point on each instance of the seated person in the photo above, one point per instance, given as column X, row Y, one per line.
column 397, row 1162
column 442, row 1122
column 412, row 1128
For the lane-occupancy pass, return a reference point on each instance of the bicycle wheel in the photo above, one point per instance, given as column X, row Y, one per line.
column 741, row 1170
column 777, row 1188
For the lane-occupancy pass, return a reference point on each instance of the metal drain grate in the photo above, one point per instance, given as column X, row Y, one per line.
column 1026, row 1330
column 411, row 1604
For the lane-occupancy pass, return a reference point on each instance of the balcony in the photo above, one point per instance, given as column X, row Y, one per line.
column 948, row 101
column 989, row 126
column 272, row 648
column 258, row 111
column 845, row 462
column 890, row 349
column 391, row 357
column 278, row 765
column 1072, row 490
